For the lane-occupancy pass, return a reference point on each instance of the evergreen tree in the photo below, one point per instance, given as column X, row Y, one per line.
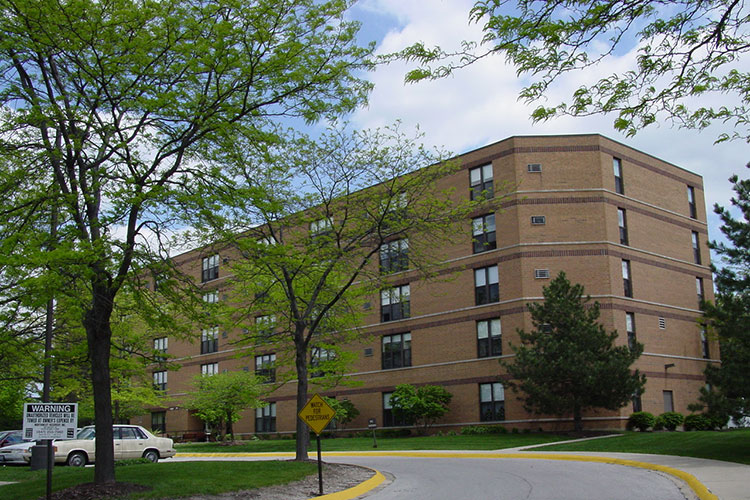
column 728, row 392
column 569, row 362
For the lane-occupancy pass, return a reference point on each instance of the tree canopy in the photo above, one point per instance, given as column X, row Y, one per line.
column 728, row 318
column 320, row 217
column 218, row 399
column 687, row 55
column 112, row 115
column 569, row 363
column 423, row 405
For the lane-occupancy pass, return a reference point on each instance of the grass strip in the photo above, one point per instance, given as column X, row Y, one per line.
column 730, row 446
column 174, row 479
column 475, row 442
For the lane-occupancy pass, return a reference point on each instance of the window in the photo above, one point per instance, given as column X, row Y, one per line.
column 319, row 355
column 396, row 351
column 491, row 402
column 210, row 268
column 211, row 297
column 159, row 422
column 626, row 281
column 622, row 222
column 696, row 248
column 541, row 274
column 209, row 340
column 160, row 380
column 630, row 329
column 534, row 167
column 483, row 233
column 489, row 338
column 637, row 404
column 486, row 288
column 265, row 418
column 538, row 220
column 480, row 179
column 160, row 346
column 699, row 289
column 619, row 185
column 389, row 420
column 394, row 256
column 704, row 344
column 691, row 202
column 209, row 368
column 320, row 226
column 394, row 303
column 265, row 367
column 265, row 325
column 668, row 401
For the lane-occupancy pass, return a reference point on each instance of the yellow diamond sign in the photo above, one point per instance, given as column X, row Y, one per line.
column 316, row 414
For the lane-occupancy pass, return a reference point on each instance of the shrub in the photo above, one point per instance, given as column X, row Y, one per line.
column 669, row 420
column 641, row 420
column 478, row 430
column 698, row 422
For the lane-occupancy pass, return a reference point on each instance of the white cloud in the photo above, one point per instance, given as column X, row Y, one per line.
column 479, row 104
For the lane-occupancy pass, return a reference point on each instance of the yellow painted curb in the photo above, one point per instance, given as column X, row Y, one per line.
column 358, row 490
column 698, row 488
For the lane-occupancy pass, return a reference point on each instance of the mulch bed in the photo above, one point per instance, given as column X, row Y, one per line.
column 91, row 491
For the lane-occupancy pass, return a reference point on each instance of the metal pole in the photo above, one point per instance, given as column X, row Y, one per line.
column 320, row 469
column 48, row 331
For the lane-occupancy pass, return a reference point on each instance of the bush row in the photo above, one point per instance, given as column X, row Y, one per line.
column 643, row 420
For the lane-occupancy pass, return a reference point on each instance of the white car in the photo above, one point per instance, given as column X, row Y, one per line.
column 131, row 441
column 16, row 453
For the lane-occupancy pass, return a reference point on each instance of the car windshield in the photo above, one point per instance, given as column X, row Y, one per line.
column 87, row 433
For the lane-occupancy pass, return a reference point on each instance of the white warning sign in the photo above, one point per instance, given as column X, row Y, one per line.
column 50, row 420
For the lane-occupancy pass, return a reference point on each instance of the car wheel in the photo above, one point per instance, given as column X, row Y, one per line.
column 77, row 459
column 151, row 455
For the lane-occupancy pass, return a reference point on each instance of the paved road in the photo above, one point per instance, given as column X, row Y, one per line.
column 513, row 479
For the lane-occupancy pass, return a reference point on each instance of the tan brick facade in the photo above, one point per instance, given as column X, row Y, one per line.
column 575, row 193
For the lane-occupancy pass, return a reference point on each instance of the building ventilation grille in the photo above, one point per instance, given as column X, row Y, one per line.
column 541, row 273
column 538, row 220
column 534, row 167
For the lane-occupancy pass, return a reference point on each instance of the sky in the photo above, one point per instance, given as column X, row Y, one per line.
column 479, row 105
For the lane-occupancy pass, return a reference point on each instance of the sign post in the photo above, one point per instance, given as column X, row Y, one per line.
column 372, row 424
column 317, row 414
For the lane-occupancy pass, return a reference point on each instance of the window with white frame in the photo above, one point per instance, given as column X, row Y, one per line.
column 209, row 340
column 396, row 351
column 626, row 280
column 696, row 247
column 699, row 289
column 395, row 303
column 483, row 233
column 489, row 338
column 619, row 184
column 704, row 344
column 481, row 183
column 318, row 356
column 630, row 329
column 394, row 256
column 160, row 346
column 389, row 419
column 160, row 380
column 692, row 208
column 209, row 368
column 265, row 367
column 210, row 268
column 265, row 418
column 491, row 402
column 265, row 325
column 211, row 297
column 486, row 287
column 622, row 223
column 320, row 226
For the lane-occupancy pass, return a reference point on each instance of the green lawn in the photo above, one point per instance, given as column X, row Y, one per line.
column 168, row 479
column 731, row 446
column 483, row 442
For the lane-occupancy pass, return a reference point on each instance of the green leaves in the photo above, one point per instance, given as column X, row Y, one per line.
column 423, row 405
column 569, row 363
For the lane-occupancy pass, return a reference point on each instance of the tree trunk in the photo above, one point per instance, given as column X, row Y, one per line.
column 230, row 430
column 99, row 334
column 577, row 418
column 303, row 431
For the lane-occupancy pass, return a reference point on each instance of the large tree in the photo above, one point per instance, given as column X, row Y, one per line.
column 728, row 393
column 111, row 113
column 689, row 52
column 332, row 221
column 569, row 363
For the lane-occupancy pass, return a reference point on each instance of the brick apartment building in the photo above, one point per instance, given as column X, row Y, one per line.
column 630, row 227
